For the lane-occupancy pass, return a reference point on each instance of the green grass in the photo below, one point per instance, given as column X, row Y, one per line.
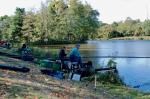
column 118, row 91
column 37, row 52
column 124, row 92
column 44, row 53
column 23, row 92
column 12, row 51
column 133, row 38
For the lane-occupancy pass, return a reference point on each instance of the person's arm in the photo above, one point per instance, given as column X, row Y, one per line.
column 78, row 53
column 63, row 53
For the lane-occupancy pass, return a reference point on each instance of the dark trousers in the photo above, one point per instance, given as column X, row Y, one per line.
column 74, row 58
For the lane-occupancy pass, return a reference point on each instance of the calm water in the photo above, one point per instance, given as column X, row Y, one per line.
column 134, row 71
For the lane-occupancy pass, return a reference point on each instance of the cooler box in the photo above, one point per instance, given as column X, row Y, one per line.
column 46, row 63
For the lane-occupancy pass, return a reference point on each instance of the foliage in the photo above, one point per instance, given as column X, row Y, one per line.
column 44, row 53
column 56, row 20
column 29, row 27
column 5, row 27
column 107, row 77
column 130, row 27
column 17, row 23
column 111, row 63
column 111, row 76
column 146, row 27
column 60, row 21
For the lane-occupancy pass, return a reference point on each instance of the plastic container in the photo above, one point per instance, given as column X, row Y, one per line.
column 46, row 63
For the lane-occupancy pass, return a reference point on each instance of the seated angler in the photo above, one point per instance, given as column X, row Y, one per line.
column 75, row 55
column 62, row 56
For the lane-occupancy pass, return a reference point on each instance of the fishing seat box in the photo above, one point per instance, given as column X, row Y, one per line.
column 46, row 63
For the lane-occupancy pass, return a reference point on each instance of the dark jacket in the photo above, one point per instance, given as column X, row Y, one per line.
column 62, row 54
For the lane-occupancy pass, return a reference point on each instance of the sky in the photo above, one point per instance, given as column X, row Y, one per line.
column 110, row 10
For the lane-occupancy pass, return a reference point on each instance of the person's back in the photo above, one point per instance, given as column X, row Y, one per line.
column 75, row 55
column 26, row 53
column 62, row 54
column 24, row 46
column 62, row 57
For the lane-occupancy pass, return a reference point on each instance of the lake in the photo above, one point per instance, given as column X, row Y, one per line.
column 135, row 71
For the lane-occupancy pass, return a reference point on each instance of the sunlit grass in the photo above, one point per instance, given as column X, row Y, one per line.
column 133, row 38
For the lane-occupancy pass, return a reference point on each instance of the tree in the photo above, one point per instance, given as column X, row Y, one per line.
column 56, row 20
column 5, row 27
column 29, row 33
column 83, row 19
column 146, row 26
column 17, row 24
column 59, row 19
column 139, row 31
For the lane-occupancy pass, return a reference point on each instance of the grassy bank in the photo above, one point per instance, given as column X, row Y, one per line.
column 133, row 38
column 107, row 86
column 33, row 85
column 37, row 52
column 127, row 38
column 123, row 92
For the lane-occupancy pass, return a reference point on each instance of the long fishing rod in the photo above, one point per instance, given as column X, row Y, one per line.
column 115, row 57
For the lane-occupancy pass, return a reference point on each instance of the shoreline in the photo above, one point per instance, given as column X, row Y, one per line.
column 103, row 90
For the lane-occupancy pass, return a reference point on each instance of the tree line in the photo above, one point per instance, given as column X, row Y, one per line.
column 66, row 22
column 57, row 20
column 127, row 28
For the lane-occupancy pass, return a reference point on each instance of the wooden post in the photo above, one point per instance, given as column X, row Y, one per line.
column 95, row 81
